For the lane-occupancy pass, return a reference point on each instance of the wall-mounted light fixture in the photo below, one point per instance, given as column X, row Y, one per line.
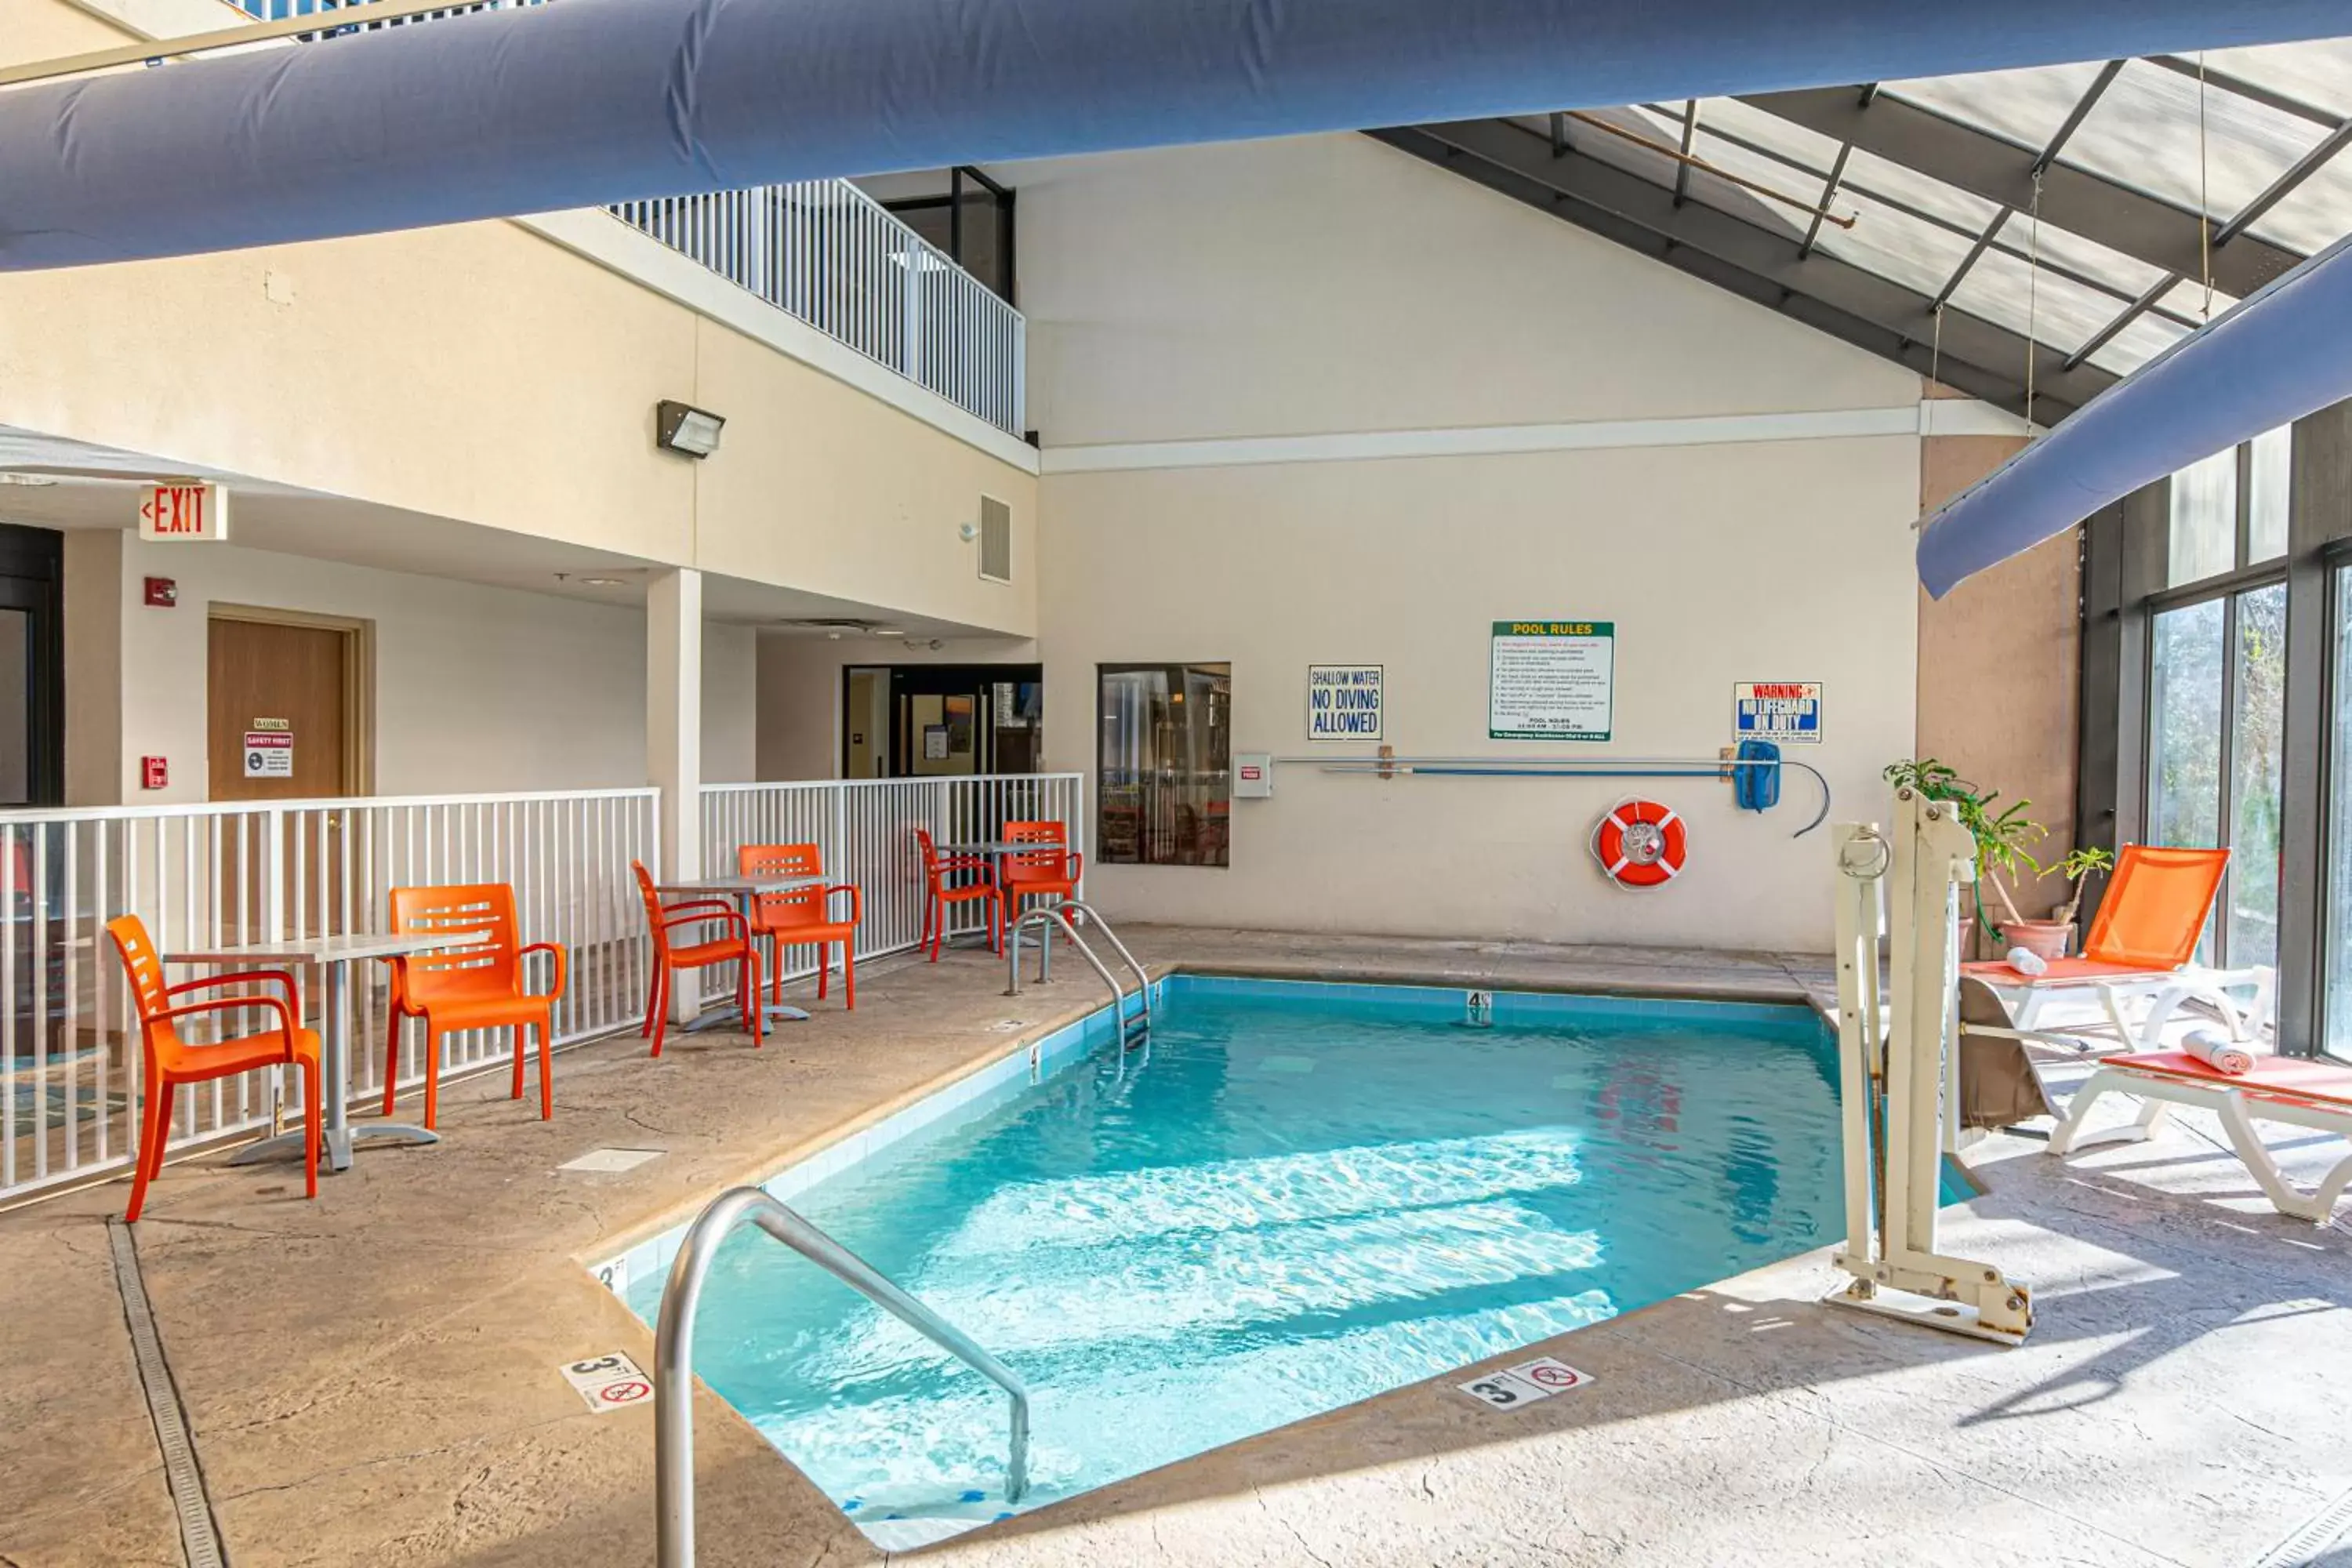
column 683, row 427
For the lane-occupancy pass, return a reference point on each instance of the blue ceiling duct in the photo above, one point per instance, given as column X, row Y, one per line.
column 584, row 101
column 2282, row 353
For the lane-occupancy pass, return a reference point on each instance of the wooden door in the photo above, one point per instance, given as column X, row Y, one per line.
column 267, row 681
column 277, row 728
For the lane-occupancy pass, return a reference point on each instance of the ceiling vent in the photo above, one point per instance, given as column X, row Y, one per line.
column 995, row 539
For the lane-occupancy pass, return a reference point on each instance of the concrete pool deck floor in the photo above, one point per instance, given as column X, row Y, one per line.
column 371, row 1378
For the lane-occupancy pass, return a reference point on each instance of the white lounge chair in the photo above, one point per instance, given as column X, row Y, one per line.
column 2300, row 1091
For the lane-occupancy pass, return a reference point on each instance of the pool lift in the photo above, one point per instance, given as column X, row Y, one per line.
column 1898, row 1050
column 1067, row 915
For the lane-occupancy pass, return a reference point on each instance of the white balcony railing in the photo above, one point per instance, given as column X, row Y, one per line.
column 821, row 250
column 205, row 875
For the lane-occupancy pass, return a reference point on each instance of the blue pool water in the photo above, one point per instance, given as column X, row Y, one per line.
column 1301, row 1195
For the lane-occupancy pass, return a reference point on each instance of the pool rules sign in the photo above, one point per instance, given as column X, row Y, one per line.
column 1552, row 681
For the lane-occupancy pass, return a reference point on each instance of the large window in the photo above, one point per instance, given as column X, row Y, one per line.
column 2218, row 703
column 1166, row 756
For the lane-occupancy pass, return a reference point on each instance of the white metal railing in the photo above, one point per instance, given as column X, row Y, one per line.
column 207, row 874
column 821, row 250
column 827, row 252
column 864, row 831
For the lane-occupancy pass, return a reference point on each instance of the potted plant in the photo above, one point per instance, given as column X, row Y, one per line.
column 2004, row 836
column 2075, row 867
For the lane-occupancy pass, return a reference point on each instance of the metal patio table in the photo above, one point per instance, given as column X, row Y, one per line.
column 745, row 892
column 994, row 851
column 330, row 957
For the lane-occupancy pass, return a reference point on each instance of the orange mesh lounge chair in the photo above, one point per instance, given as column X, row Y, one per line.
column 171, row 1061
column 941, row 889
column 2141, row 945
column 803, row 915
column 474, row 988
column 736, row 947
column 2297, row 1090
column 1049, row 871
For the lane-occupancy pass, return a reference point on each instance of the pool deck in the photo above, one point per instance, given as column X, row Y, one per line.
column 371, row 1378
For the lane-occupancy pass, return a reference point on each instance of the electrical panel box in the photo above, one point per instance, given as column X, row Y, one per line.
column 1252, row 775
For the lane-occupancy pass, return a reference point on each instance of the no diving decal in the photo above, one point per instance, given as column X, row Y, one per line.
column 1525, row 1383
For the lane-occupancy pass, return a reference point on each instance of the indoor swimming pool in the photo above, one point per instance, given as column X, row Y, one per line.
column 1298, row 1196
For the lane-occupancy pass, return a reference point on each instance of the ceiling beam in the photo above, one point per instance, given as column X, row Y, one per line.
column 2151, row 231
column 1976, row 356
column 1690, row 151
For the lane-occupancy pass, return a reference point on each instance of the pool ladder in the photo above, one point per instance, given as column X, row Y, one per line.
column 1134, row 1029
column 674, row 1351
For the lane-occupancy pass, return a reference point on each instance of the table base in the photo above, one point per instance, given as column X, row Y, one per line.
column 334, row 1144
column 733, row 1017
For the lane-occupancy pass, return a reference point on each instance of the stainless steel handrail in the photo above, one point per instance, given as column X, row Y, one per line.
column 1093, row 918
column 674, row 1351
column 1049, row 917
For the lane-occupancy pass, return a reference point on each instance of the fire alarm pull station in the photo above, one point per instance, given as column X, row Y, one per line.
column 154, row 773
column 1252, row 775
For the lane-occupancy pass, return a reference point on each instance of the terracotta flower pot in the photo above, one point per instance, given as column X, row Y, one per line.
column 2044, row 939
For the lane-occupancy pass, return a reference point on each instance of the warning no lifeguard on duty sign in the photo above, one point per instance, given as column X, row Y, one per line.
column 1783, row 711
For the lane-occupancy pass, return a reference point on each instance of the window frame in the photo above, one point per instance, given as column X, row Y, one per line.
column 2124, row 550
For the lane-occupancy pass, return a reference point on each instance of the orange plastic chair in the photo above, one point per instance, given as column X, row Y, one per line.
column 939, row 890
column 1052, row 870
column 171, row 1061
column 804, row 916
column 669, row 958
column 474, row 988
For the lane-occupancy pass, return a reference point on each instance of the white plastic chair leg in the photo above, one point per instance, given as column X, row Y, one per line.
column 2317, row 1205
column 2070, row 1135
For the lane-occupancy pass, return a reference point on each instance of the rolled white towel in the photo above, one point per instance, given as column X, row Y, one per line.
column 2218, row 1051
column 2023, row 962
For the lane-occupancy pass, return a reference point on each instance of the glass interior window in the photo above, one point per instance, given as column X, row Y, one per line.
column 2204, row 538
column 2257, row 755
column 2270, row 472
column 1166, row 764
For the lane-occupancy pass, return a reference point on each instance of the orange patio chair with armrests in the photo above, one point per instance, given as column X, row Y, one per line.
column 474, row 988
column 1050, row 870
column 941, row 889
column 735, row 948
column 802, row 915
column 171, row 1061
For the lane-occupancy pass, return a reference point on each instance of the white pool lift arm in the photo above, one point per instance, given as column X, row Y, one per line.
column 1898, row 1063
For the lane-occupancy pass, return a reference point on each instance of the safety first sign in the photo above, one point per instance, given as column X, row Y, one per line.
column 1781, row 712
column 270, row 753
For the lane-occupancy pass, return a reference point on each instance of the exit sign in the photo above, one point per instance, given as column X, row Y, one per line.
column 183, row 511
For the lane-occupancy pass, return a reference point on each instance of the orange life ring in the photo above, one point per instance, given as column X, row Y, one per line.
column 1640, row 844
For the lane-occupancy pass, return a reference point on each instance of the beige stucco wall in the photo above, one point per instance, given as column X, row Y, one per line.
column 1406, row 565
column 477, row 688
column 1329, row 283
column 1332, row 286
